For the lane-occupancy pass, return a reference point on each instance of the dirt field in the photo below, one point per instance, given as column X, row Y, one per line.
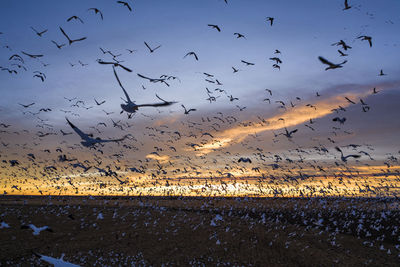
column 201, row 231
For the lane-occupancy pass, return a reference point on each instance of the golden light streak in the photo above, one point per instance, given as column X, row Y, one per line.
column 291, row 117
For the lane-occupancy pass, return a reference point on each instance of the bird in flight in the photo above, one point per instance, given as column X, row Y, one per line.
column 192, row 54
column 246, row 160
column 342, row 54
column 125, row 4
column 340, row 120
column 27, row 106
column 96, row 10
column 239, row 35
column 381, row 73
column 346, row 5
column 30, row 55
column 188, row 110
column 152, row 49
column 99, row 103
column 88, row 140
column 366, row 38
column 330, row 64
column 39, row 33
column 130, row 106
column 343, row 44
column 75, row 18
column 59, row 46
column 115, row 64
column 271, row 20
column 343, row 158
column 247, row 63
column 69, row 39
column 37, row 230
column 289, row 134
column 214, row 27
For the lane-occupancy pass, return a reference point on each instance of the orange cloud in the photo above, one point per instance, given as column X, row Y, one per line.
column 290, row 117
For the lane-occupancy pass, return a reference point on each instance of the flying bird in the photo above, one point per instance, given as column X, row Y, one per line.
column 125, row 4
column 245, row 160
column 88, row 140
column 39, row 33
column 340, row 120
column 271, row 20
column 344, row 158
column 130, row 106
column 346, row 5
column 69, row 40
column 366, row 38
column 239, row 35
column 96, row 10
column 214, row 27
column 114, row 64
column 187, row 111
column 75, row 18
column 192, row 54
column 330, row 64
column 152, row 49
column 247, row 63
column 59, row 46
column 37, row 230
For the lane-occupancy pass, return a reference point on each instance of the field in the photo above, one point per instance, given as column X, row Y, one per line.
column 146, row 231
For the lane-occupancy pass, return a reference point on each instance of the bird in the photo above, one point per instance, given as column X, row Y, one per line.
column 186, row 112
column 289, row 134
column 75, row 18
column 346, row 5
column 58, row 46
column 381, row 73
column 343, row 44
column 245, row 160
column 28, row 105
column 235, row 70
column 125, row 4
column 340, row 120
column 69, row 40
column 192, row 54
column 239, row 35
column 99, row 103
column 366, row 38
column 271, row 20
column 37, row 230
column 269, row 91
column 114, row 64
column 96, row 10
column 247, row 63
column 39, row 33
column 30, row 55
column 130, row 106
column 88, row 140
column 374, row 91
column 343, row 158
column 330, row 64
column 342, row 54
column 214, row 27
column 276, row 59
column 349, row 100
column 152, row 50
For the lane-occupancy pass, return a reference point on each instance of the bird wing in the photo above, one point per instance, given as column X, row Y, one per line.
column 125, row 68
column 120, row 84
column 63, row 32
column 324, row 61
column 80, row 39
column 78, row 131
column 148, row 46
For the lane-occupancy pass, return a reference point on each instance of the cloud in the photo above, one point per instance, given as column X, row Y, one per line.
column 292, row 116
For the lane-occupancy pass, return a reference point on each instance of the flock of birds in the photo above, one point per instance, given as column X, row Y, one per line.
column 168, row 158
column 189, row 156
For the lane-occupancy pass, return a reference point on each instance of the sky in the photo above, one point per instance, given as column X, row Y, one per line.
column 167, row 145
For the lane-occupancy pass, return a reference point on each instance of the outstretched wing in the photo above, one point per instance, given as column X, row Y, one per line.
column 78, row 131
column 120, row 84
column 325, row 61
column 63, row 32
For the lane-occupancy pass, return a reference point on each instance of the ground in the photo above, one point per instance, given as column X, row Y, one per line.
column 141, row 231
